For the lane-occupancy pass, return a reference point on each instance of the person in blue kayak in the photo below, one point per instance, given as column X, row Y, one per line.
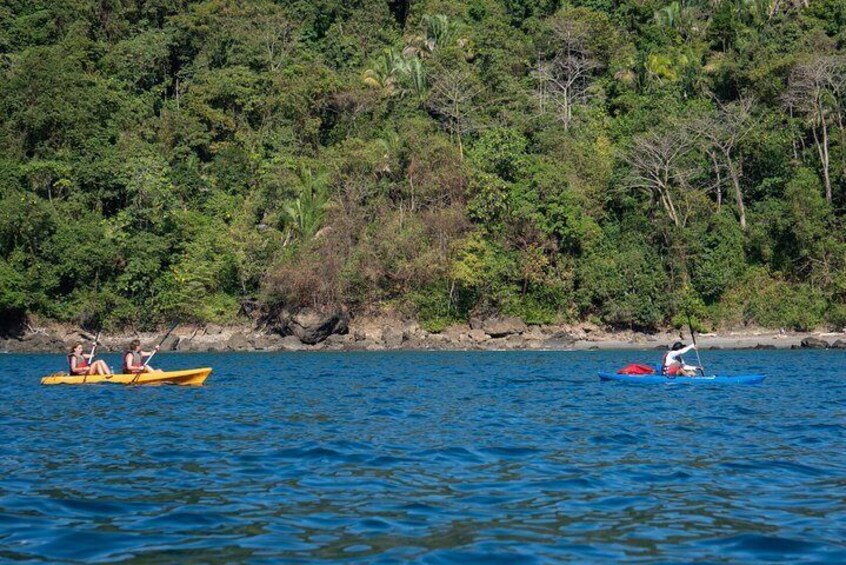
column 133, row 359
column 673, row 364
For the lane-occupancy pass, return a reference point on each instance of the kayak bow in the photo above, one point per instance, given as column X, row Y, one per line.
column 658, row 379
column 189, row 377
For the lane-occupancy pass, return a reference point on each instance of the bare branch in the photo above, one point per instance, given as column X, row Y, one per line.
column 658, row 167
column 564, row 80
column 452, row 98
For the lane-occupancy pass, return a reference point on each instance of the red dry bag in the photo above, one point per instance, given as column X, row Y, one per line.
column 637, row 369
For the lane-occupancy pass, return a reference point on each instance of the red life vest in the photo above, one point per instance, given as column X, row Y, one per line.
column 81, row 363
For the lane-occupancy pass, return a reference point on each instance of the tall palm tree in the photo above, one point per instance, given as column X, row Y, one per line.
column 305, row 214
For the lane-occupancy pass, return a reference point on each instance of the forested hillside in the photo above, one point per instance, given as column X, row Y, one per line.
column 619, row 161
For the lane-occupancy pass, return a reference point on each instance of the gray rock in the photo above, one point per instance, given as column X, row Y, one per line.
column 638, row 337
column 562, row 335
column 559, row 340
column 417, row 344
column 171, row 343
column 764, row 346
column 452, row 333
column 496, row 343
column 238, row 342
column 476, row 323
column 43, row 343
column 213, row 329
column 501, row 327
column 338, row 340
column 535, row 333
column 814, row 343
column 265, row 343
column 478, row 335
column 359, row 335
column 392, row 337
column 190, row 345
column 839, row 344
column 312, row 327
column 291, row 343
column 11, row 345
column 516, row 341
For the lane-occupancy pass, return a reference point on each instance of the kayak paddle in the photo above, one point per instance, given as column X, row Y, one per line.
column 94, row 347
column 696, row 347
column 147, row 362
column 167, row 335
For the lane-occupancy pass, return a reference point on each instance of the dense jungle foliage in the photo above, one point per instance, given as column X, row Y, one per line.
column 618, row 161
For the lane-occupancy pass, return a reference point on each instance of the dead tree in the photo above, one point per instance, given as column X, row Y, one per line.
column 658, row 167
column 720, row 134
column 564, row 80
column 452, row 99
column 813, row 90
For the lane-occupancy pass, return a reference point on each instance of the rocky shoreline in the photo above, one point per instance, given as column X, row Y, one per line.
column 314, row 332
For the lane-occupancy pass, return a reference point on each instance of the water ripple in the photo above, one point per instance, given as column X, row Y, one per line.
column 428, row 458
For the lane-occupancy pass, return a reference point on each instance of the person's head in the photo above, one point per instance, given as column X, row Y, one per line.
column 677, row 345
column 134, row 345
column 76, row 349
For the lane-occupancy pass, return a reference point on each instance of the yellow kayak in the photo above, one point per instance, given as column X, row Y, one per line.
column 193, row 377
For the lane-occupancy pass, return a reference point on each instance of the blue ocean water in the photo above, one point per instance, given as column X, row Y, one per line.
column 426, row 457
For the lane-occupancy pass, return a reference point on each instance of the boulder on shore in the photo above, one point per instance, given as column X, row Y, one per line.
column 392, row 337
column 238, row 342
column 312, row 327
column 171, row 343
column 814, row 343
column 501, row 327
column 265, row 343
column 42, row 343
column 291, row 343
column 478, row 335
column 839, row 344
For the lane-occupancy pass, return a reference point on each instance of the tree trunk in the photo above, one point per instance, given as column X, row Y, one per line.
column 738, row 193
column 667, row 201
column 719, row 179
column 826, row 162
column 822, row 150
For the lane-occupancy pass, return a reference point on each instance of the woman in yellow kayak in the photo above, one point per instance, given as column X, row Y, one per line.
column 79, row 363
column 133, row 359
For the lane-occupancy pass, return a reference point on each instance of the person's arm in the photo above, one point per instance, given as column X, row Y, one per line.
column 148, row 353
column 673, row 357
column 684, row 350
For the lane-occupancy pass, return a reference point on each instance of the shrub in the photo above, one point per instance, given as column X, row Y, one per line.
column 765, row 300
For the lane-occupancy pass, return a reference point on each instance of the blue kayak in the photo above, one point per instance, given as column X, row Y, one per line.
column 659, row 379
